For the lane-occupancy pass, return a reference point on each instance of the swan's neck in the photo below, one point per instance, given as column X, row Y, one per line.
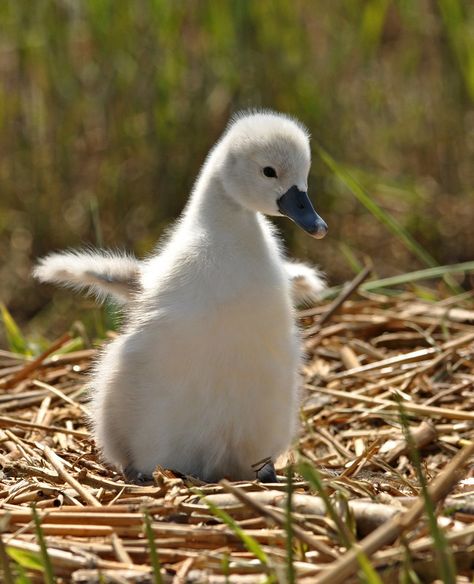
column 215, row 211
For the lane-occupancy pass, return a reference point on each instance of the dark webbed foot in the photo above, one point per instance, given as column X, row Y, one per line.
column 132, row 475
column 266, row 473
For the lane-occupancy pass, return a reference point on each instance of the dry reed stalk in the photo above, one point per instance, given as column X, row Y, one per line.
column 345, row 566
column 427, row 358
column 367, row 514
column 389, row 405
column 425, row 543
column 423, row 435
column 69, row 560
column 325, row 551
column 346, row 292
column 122, row 555
column 6, row 421
column 405, row 358
column 60, row 394
column 58, row 466
column 33, row 365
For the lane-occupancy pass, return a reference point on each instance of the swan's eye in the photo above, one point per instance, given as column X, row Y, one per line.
column 270, row 172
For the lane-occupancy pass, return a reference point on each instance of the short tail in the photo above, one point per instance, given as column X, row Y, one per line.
column 100, row 273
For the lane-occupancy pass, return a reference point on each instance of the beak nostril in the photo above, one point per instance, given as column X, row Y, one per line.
column 296, row 205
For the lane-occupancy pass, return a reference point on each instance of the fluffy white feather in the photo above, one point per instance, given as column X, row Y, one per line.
column 103, row 273
column 307, row 282
column 204, row 378
column 111, row 274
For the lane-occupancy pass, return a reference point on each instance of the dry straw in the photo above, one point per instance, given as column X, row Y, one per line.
column 364, row 356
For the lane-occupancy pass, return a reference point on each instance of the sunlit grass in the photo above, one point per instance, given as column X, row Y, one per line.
column 108, row 110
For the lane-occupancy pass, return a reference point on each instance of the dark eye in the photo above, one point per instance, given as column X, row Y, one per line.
column 270, row 172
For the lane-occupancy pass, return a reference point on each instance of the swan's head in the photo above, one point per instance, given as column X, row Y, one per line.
column 264, row 167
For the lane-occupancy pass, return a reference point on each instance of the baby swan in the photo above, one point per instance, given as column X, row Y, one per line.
column 204, row 378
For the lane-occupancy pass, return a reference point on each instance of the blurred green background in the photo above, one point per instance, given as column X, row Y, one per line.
column 108, row 108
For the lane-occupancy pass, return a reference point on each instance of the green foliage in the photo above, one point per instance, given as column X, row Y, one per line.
column 25, row 559
column 225, row 563
column 386, row 284
column 21, row 577
column 16, row 341
column 386, row 218
column 107, row 110
column 457, row 20
column 15, row 572
column 75, row 344
column 31, row 346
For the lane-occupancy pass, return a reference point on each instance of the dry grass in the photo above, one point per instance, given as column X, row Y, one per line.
column 366, row 355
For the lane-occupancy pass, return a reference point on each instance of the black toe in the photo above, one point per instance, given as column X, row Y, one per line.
column 267, row 473
column 132, row 475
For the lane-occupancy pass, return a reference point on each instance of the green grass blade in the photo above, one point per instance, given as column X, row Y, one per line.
column 45, row 559
column 71, row 346
column 290, row 568
column 225, row 564
column 373, row 19
column 21, row 577
column 369, row 572
column 455, row 22
column 410, row 277
column 443, row 556
column 385, row 218
column 16, row 341
column 250, row 543
column 426, row 274
column 314, row 479
column 25, row 559
column 350, row 258
column 408, row 574
column 154, row 559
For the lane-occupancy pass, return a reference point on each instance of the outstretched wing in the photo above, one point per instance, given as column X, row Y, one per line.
column 101, row 273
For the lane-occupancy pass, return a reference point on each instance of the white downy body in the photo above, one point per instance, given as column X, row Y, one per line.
column 204, row 378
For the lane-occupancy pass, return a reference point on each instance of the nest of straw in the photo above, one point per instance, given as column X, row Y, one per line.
column 387, row 422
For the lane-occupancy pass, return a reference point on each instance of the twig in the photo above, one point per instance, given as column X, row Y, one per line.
column 7, row 422
column 406, row 358
column 58, row 466
column 30, row 367
column 409, row 407
column 349, row 289
column 60, row 394
column 423, row 435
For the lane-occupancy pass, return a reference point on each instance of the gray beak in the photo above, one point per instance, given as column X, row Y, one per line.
column 296, row 205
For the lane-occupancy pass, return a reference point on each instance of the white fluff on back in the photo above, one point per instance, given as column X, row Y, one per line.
column 204, row 378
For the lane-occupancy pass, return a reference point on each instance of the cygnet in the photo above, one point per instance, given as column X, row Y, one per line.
column 204, row 378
